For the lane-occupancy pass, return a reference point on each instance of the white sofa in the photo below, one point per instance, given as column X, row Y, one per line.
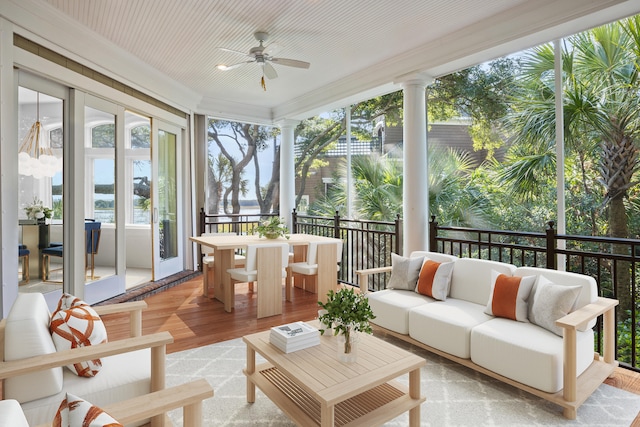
column 561, row 368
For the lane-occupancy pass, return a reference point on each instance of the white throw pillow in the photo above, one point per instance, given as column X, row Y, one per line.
column 509, row 296
column 404, row 272
column 550, row 302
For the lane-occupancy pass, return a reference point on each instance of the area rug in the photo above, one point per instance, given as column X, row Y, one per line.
column 456, row 396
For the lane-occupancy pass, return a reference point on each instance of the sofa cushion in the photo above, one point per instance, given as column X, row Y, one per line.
column 588, row 293
column 434, row 279
column 551, row 302
column 27, row 335
column 122, row 377
column 471, row 279
column 526, row 353
column 434, row 256
column 391, row 308
column 77, row 412
column 404, row 272
column 75, row 324
column 11, row 414
column 510, row 296
column 446, row 325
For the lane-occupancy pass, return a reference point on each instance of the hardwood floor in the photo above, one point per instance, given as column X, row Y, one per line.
column 195, row 321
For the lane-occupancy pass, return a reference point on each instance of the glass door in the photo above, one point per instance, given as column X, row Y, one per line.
column 167, row 213
column 103, row 220
column 40, row 160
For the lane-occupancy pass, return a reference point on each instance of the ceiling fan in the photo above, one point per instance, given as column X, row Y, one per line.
column 260, row 55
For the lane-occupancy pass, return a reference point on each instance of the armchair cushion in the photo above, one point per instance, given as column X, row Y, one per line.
column 75, row 324
column 27, row 335
column 76, row 412
column 11, row 414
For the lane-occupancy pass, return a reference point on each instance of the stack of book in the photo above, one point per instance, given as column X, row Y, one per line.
column 294, row 336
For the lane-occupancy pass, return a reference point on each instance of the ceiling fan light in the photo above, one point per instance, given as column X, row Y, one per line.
column 222, row 67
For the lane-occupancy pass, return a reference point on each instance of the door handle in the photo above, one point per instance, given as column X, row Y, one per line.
column 155, row 215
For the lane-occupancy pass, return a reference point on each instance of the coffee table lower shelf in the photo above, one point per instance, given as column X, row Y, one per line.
column 370, row 408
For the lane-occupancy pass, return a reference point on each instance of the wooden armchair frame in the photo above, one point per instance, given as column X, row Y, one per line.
column 155, row 404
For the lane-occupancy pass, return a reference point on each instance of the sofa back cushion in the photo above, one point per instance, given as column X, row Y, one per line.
column 27, row 335
column 588, row 292
column 471, row 279
column 434, row 256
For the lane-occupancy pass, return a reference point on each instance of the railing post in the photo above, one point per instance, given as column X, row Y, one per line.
column 294, row 221
column 398, row 235
column 336, row 225
column 202, row 230
column 551, row 246
column 433, row 234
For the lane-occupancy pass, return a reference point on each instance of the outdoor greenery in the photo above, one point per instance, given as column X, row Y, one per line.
column 509, row 106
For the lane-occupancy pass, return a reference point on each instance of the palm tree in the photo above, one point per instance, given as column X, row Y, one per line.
column 601, row 119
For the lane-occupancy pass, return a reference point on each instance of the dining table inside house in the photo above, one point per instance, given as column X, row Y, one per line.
column 225, row 247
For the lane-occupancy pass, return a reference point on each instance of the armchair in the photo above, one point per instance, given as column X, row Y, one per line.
column 130, row 383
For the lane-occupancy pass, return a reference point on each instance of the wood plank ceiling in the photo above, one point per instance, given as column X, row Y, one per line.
column 354, row 47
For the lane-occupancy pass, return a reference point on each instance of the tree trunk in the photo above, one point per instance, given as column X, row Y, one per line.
column 619, row 228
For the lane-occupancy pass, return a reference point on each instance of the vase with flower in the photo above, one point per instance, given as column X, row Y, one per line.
column 37, row 211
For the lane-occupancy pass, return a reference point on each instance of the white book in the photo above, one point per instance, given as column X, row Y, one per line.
column 297, row 331
column 294, row 336
column 275, row 338
column 291, row 347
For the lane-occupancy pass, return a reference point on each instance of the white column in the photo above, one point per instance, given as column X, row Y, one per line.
column 415, row 208
column 561, row 226
column 287, row 170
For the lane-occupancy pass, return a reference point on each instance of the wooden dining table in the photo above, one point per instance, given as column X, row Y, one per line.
column 225, row 247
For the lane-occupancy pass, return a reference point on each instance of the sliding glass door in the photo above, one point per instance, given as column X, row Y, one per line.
column 167, row 211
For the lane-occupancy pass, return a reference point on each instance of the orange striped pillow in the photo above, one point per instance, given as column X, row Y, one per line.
column 75, row 324
column 509, row 296
column 434, row 279
column 74, row 411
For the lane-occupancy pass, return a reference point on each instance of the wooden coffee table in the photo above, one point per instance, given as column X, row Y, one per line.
column 313, row 388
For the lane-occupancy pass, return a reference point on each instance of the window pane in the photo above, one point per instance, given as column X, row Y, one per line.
column 104, row 190
column 103, row 136
column 141, row 191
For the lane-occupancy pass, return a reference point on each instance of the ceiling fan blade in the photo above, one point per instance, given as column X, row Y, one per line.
column 232, row 66
column 291, row 62
column 269, row 71
column 233, row 51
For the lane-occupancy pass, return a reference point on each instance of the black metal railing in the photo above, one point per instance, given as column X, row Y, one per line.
column 366, row 244
column 613, row 263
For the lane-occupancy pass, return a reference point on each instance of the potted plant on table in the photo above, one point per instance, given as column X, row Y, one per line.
column 272, row 228
column 347, row 313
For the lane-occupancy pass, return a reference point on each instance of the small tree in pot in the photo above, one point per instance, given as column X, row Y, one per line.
column 347, row 312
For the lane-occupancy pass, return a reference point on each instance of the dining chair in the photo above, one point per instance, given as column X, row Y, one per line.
column 309, row 269
column 23, row 256
column 266, row 265
column 92, row 231
column 208, row 273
